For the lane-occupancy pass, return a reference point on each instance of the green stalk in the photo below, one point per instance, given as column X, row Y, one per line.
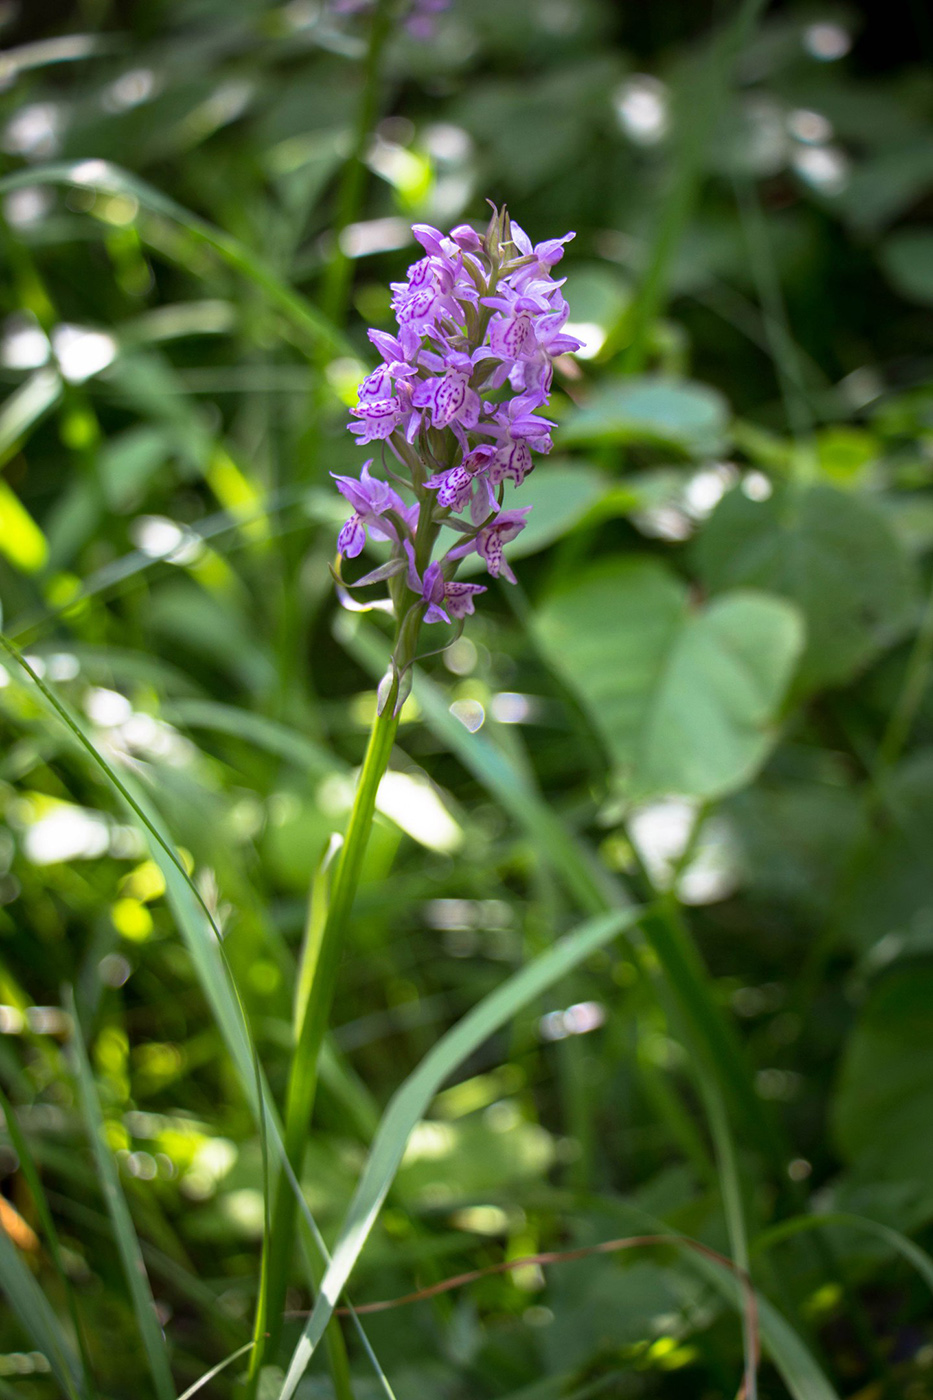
column 352, row 186
column 730, row 1186
column 318, row 975
column 696, row 116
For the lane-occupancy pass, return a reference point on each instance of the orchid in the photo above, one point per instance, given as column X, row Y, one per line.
column 457, row 401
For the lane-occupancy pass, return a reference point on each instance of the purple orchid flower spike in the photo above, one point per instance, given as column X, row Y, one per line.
column 459, row 400
column 440, row 593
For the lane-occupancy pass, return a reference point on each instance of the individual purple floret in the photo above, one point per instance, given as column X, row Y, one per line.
column 419, row 19
column 371, row 499
column 457, row 401
column 440, row 593
column 489, row 543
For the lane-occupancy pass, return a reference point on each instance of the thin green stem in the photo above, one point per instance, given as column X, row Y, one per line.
column 335, row 292
column 916, row 679
column 780, row 339
column 696, row 118
column 318, row 979
column 730, row 1186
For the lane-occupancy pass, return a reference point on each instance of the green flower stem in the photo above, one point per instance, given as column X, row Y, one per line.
column 319, row 975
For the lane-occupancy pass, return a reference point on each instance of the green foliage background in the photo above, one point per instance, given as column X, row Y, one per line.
column 709, row 695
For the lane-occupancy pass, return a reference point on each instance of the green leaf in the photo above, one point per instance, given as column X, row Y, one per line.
column 894, row 1239
column 670, row 413
column 110, row 179
column 150, row 1329
column 886, row 904
column 34, row 1312
column 590, row 884
column 802, row 543
column 255, row 729
column 796, row 1365
column 883, row 1109
column 21, row 540
column 33, row 1180
column 411, row 1101
column 907, row 259
column 25, row 406
column 684, row 700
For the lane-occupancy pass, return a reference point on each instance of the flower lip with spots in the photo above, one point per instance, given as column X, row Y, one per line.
column 440, row 593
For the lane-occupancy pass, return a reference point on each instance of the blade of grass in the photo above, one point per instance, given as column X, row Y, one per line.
column 695, row 119
column 134, row 1266
column 34, row 1312
column 318, row 975
column 781, row 344
column 799, row 1369
column 912, row 1252
column 107, row 178
column 595, row 889
column 25, row 407
column 269, row 734
column 204, row 941
column 353, row 174
column 202, row 1381
column 733, row 1207
column 412, row 1099
column 50, row 1234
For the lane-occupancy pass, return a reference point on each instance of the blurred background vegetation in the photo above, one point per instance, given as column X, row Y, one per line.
column 191, row 255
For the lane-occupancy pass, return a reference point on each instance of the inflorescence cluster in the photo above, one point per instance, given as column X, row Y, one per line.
column 457, row 402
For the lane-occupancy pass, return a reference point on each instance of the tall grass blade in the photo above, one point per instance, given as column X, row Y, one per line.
column 411, row 1101
column 733, row 1207
column 34, row 1312
column 28, row 1167
column 799, row 1369
column 134, row 1266
column 595, row 889
column 910, row 1251
column 111, row 179
column 203, row 939
column 25, row 407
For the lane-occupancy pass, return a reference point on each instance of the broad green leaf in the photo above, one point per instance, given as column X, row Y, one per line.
column 886, row 905
column 907, row 259
column 671, row 413
column 410, row 1102
column 803, row 543
column 883, row 1109
column 685, row 700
